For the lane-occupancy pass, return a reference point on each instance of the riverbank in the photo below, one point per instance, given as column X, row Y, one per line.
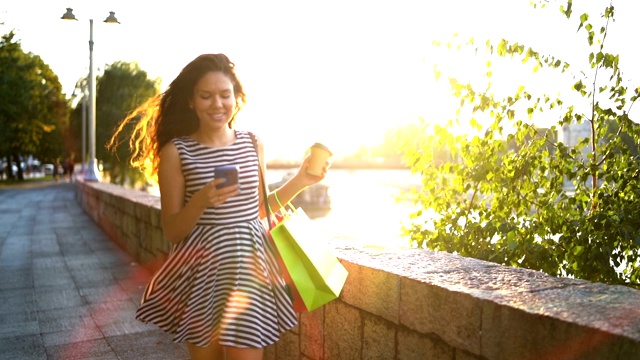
column 342, row 166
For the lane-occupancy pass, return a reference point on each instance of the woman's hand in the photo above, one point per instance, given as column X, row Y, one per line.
column 306, row 179
column 292, row 187
column 210, row 196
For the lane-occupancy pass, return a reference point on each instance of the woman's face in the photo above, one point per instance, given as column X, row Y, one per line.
column 213, row 100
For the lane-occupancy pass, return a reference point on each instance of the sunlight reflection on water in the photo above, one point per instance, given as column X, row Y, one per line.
column 365, row 206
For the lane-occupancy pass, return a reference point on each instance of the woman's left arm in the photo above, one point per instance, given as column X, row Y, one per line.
column 291, row 188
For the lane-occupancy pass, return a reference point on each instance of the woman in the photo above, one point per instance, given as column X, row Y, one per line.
column 220, row 289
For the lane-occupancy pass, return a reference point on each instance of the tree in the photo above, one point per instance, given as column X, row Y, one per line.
column 122, row 88
column 73, row 134
column 540, row 204
column 33, row 111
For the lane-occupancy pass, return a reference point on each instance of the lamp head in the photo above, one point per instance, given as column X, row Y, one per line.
column 111, row 19
column 69, row 15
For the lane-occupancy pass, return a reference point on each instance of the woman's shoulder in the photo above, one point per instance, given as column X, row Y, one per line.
column 247, row 137
column 244, row 134
column 247, row 134
column 181, row 140
column 170, row 147
column 175, row 146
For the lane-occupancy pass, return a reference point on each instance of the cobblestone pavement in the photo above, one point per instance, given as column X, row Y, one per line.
column 66, row 291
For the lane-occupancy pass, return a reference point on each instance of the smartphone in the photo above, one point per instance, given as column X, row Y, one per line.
column 229, row 173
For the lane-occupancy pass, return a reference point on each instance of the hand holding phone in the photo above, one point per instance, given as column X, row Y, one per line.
column 229, row 173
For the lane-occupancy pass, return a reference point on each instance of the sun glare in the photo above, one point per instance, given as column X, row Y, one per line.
column 343, row 78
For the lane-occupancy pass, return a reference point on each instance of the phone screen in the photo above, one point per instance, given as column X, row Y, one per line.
column 227, row 172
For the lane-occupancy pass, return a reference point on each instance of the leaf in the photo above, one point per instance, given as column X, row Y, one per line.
column 578, row 86
column 436, row 72
column 566, row 12
column 502, row 47
column 584, row 18
column 511, row 240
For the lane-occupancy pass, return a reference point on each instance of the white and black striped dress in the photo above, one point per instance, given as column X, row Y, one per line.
column 222, row 282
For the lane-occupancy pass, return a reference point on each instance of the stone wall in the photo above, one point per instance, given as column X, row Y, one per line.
column 418, row 304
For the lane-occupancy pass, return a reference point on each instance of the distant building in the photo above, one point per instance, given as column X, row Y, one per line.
column 571, row 135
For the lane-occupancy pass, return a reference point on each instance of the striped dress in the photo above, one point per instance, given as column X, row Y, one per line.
column 221, row 282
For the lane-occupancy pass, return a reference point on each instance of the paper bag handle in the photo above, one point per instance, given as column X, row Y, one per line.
column 267, row 208
column 291, row 208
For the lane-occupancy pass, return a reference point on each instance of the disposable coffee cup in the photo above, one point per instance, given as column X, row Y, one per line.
column 319, row 156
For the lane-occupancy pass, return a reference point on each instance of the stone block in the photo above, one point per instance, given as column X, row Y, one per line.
column 131, row 226
column 104, row 197
column 157, row 242
column 343, row 331
column 155, row 217
column 288, row 347
column 109, row 228
column 145, row 242
column 510, row 333
column 413, row 345
column 463, row 355
column 131, row 246
column 127, row 206
column 453, row 316
column 113, row 214
column 142, row 211
column 270, row 352
column 372, row 290
column 595, row 305
column 144, row 229
column 92, row 208
column 312, row 330
column 379, row 338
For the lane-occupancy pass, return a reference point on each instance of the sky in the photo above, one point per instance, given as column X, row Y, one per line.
column 341, row 72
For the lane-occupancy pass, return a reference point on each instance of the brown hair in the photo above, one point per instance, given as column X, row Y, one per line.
column 168, row 115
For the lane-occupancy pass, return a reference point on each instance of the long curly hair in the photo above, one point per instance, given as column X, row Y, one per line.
column 168, row 115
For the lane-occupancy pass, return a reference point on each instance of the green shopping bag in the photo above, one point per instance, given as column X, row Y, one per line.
column 315, row 271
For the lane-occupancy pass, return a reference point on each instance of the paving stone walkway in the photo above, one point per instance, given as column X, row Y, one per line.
column 66, row 291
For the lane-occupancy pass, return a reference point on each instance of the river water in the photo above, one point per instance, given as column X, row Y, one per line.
column 367, row 206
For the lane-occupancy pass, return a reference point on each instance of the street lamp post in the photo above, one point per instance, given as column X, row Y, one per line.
column 92, row 172
column 83, row 87
column 83, row 168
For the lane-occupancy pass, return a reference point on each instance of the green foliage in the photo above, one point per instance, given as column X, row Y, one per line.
column 516, row 196
column 33, row 110
column 122, row 88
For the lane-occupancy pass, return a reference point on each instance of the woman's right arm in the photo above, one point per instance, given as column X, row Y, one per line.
column 178, row 219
